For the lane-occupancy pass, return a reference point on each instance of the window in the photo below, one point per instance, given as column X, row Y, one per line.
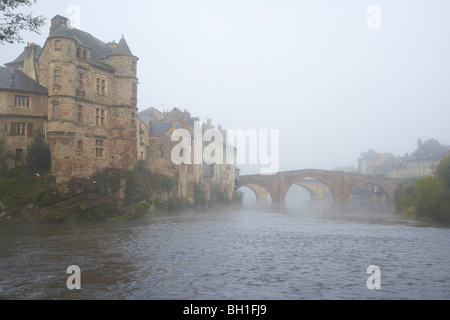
column 134, row 90
column 99, row 148
column 22, row 101
column 80, row 81
column 19, row 155
column 20, row 128
column 100, row 117
column 134, row 66
column 101, row 86
column 80, row 114
column 142, row 155
column 133, row 122
column 58, row 45
column 57, row 77
column 84, row 54
column 55, row 111
column 79, row 53
column 80, row 146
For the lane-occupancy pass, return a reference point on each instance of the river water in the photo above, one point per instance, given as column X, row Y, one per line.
column 313, row 250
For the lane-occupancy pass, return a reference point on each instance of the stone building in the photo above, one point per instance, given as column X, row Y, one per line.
column 23, row 109
column 220, row 177
column 83, row 92
column 422, row 162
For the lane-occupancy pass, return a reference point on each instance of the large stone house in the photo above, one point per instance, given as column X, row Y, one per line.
column 82, row 92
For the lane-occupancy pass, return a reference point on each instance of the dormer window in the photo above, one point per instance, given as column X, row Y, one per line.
column 84, row 54
column 57, row 44
column 78, row 53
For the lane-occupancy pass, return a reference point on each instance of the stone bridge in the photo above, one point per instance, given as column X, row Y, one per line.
column 341, row 184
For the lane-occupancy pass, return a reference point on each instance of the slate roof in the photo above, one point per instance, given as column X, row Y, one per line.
column 159, row 128
column 99, row 49
column 16, row 80
column 430, row 150
column 148, row 114
column 122, row 48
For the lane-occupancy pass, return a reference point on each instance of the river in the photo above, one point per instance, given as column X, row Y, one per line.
column 313, row 250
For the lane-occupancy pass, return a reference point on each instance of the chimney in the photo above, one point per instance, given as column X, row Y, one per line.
column 419, row 143
column 28, row 62
column 57, row 22
column 112, row 46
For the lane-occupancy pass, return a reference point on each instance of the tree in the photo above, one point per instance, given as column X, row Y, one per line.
column 443, row 172
column 12, row 23
column 429, row 195
column 6, row 155
column 38, row 154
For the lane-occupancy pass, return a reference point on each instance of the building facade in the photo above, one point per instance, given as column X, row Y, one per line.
column 86, row 101
column 219, row 177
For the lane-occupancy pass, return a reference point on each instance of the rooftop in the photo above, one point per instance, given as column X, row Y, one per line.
column 16, row 80
column 429, row 150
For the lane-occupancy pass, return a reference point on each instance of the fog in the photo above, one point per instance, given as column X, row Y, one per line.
column 334, row 77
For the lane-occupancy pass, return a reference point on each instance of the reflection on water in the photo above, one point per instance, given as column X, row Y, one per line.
column 305, row 250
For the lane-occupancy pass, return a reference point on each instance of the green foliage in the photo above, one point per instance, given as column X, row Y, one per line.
column 17, row 192
column 443, row 172
column 38, row 154
column 200, row 198
column 218, row 196
column 178, row 204
column 142, row 208
column 12, row 23
column 108, row 181
column 429, row 195
column 6, row 155
column 407, row 197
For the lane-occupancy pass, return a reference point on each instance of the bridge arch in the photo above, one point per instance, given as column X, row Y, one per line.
column 372, row 187
column 260, row 192
column 297, row 180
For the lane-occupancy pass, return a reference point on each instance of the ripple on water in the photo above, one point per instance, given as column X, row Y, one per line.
column 245, row 255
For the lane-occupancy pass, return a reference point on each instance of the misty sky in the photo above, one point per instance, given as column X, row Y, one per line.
column 312, row 69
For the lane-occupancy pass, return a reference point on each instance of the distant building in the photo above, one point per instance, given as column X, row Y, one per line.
column 159, row 151
column 422, row 162
column 374, row 163
column 419, row 164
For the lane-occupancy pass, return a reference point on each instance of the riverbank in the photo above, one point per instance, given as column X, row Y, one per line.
column 110, row 195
